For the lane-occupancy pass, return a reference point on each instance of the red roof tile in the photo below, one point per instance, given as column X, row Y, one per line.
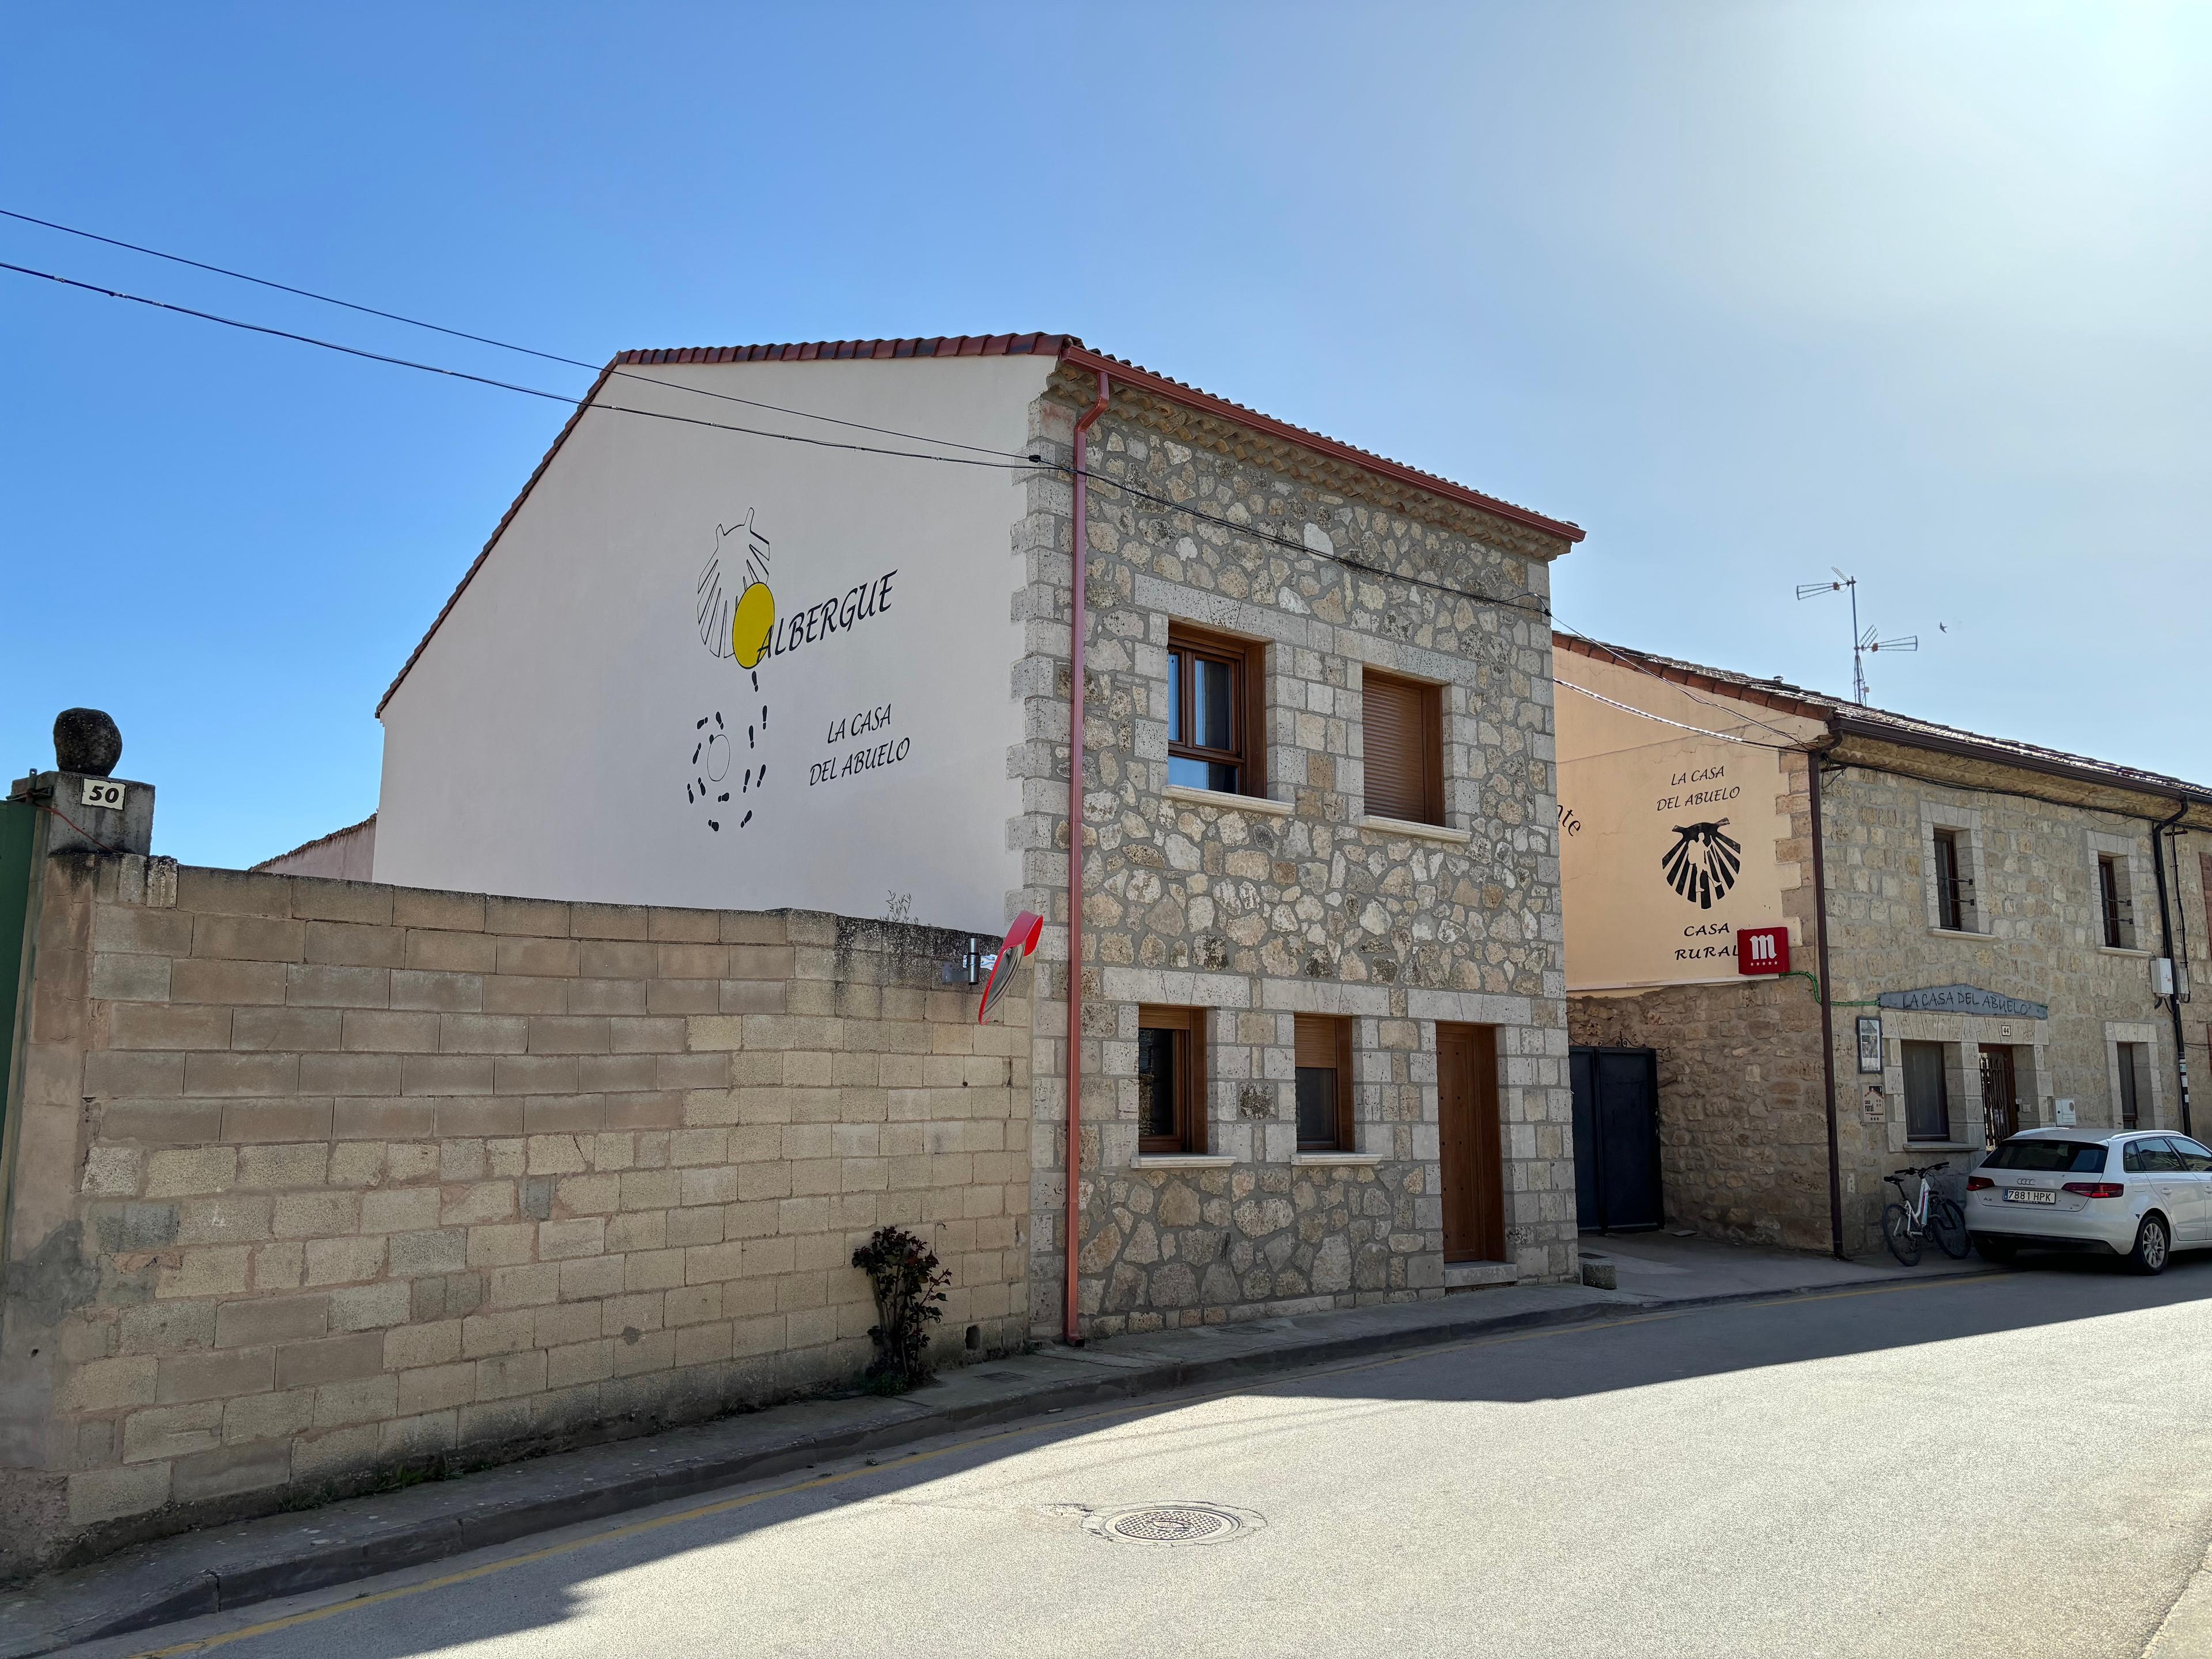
column 1065, row 347
column 1857, row 719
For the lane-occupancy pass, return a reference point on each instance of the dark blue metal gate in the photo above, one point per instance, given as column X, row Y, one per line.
column 1617, row 1178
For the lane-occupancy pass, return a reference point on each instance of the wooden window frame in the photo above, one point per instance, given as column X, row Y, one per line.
column 1950, row 897
column 1246, row 734
column 1430, row 705
column 1188, row 1025
column 1340, row 1040
column 2115, row 907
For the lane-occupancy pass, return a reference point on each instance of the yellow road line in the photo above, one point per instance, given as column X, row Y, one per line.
column 724, row 1506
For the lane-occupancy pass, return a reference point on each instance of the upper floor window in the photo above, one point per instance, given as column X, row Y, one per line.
column 1402, row 742
column 1954, row 902
column 2115, row 904
column 1213, row 738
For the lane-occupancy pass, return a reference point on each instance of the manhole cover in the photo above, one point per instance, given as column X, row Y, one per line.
column 1173, row 1523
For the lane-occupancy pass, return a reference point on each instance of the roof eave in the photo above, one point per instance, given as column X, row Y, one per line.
column 1844, row 724
column 1075, row 355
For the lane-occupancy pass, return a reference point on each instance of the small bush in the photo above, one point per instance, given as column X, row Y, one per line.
column 908, row 1282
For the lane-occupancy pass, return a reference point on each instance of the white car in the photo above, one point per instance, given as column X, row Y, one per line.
column 2137, row 1192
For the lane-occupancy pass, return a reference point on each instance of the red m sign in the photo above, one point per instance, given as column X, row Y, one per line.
column 1762, row 950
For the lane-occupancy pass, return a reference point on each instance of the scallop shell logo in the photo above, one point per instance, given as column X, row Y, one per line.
column 736, row 609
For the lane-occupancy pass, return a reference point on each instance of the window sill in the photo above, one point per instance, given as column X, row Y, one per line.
column 1418, row 831
column 1336, row 1157
column 1959, row 933
column 2123, row 951
column 1912, row 1146
column 1261, row 804
column 1182, row 1161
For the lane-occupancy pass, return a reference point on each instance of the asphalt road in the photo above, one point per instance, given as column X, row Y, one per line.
column 2020, row 1466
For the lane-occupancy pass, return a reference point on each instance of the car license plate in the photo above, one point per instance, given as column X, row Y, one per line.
column 2029, row 1195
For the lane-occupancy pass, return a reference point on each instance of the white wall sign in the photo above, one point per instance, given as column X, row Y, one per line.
column 1667, row 837
column 706, row 670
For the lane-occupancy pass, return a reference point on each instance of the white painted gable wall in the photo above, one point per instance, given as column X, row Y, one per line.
column 542, row 744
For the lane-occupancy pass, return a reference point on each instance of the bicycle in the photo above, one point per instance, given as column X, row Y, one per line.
column 1904, row 1225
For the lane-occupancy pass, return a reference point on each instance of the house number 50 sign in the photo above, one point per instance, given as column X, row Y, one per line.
column 99, row 791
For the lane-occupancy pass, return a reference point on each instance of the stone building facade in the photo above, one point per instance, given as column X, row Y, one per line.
column 809, row 672
column 2033, row 931
column 2034, row 973
column 1253, row 911
column 314, row 1182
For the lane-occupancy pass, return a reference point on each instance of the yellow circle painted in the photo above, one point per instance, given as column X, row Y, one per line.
column 754, row 620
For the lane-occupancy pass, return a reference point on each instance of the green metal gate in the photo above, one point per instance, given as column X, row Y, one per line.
column 19, row 824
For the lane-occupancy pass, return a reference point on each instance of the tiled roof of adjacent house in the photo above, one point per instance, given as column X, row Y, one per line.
column 1846, row 716
column 1070, row 351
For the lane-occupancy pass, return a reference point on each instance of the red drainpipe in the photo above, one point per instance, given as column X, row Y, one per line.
column 1077, row 621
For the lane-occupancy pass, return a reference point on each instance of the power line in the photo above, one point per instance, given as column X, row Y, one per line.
column 1009, row 465
column 510, row 386
column 1313, row 552
column 486, row 339
column 578, row 363
column 1626, row 661
column 1680, row 725
column 1022, row 464
column 800, row 414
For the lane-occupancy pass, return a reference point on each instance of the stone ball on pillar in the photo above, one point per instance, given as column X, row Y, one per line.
column 86, row 740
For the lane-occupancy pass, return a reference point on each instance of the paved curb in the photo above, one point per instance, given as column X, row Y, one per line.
column 442, row 1519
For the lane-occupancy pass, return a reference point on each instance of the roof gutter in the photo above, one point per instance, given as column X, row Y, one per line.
column 2162, row 831
column 1813, row 758
column 1845, row 725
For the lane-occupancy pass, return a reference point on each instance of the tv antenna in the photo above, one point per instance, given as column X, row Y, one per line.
column 1862, row 642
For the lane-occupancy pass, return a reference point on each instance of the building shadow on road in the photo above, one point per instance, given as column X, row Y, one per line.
column 538, row 1585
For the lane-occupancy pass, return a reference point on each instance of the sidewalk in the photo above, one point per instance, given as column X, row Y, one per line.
column 234, row 1566
column 1661, row 1267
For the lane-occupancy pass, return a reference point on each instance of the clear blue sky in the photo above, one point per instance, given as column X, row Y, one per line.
column 1746, row 290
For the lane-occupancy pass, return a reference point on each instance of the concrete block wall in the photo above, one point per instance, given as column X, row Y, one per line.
column 315, row 1179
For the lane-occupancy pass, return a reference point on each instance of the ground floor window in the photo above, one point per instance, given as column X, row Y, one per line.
column 1324, row 1084
column 1927, row 1094
column 1170, row 1080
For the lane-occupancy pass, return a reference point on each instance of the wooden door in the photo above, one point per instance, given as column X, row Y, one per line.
column 1473, row 1171
column 2000, row 1094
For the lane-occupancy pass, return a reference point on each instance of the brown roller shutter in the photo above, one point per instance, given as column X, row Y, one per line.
column 1323, row 1044
column 1403, row 742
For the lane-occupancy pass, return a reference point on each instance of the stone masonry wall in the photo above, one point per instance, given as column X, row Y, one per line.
column 1742, row 1105
column 318, row 1180
column 1256, row 914
column 1743, row 1101
column 2039, row 939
